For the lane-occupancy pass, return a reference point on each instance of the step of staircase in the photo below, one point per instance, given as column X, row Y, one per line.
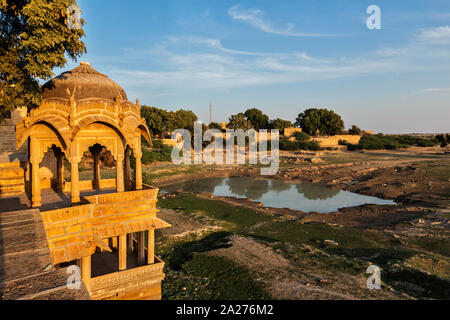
column 11, row 179
column 10, row 190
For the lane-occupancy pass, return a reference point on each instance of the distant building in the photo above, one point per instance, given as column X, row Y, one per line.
column 290, row 132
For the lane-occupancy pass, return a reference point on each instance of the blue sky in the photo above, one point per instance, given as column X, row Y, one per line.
column 280, row 56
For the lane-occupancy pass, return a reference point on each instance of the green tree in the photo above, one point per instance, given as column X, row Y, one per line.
column 156, row 119
column 354, row 130
column 280, row 124
column 443, row 139
column 35, row 38
column 315, row 121
column 185, row 119
column 302, row 136
column 257, row 118
column 215, row 125
column 162, row 122
column 239, row 121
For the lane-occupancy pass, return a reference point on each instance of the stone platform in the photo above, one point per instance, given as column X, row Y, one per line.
column 26, row 270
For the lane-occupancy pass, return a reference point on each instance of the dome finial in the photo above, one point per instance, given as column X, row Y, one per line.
column 84, row 63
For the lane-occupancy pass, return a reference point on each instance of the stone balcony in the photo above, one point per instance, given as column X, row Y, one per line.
column 140, row 282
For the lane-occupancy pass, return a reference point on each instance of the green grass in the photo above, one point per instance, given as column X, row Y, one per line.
column 212, row 278
column 439, row 246
column 192, row 274
column 242, row 218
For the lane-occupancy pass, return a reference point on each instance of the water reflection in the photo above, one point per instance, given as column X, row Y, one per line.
column 248, row 187
column 201, row 185
column 313, row 191
column 305, row 196
column 279, row 186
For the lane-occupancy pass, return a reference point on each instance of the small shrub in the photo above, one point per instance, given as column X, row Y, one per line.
column 302, row 136
column 157, row 144
column 353, row 147
column 355, row 130
column 444, row 140
column 380, row 141
column 289, row 145
column 156, row 155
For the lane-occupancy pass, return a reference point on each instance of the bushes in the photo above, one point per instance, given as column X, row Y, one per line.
column 159, row 152
column 443, row 139
column 355, row 130
column 303, row 142
column 157, row 144
column 417, row 141
column 302, row 136
column 288, row 145
column 380, row 142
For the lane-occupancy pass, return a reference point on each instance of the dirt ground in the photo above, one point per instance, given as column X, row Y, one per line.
column 418, row 179
column 286, row 282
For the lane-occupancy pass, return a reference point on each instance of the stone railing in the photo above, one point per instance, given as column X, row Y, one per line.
column 70, row 231
column 137, row 283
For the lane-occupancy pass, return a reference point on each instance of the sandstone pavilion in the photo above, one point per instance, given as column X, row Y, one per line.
column 50, row 222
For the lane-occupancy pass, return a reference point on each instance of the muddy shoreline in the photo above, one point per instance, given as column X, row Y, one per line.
column 401, row 181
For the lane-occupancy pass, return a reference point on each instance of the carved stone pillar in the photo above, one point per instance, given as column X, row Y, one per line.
column 123, row 252
column 36, row 199
column 96, row 151
column 119, row 173
column 130, row 243
column 127, row 169
column 138, row 171
column 151, row 247
column 141, row 247
column 74, row 179
column 86, row 270
column 35, row 160
column 59, row 170
column 96, row 181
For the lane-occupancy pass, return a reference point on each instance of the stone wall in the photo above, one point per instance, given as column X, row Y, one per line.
column 8, row 152
column 333, row 141
column 290, row 132
column 7, row 138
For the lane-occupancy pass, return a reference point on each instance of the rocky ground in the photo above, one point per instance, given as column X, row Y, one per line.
column 217, row 246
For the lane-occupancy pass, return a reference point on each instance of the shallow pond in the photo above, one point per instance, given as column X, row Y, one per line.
column 305, row 196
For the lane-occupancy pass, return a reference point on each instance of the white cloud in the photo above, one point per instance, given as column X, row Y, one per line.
column 439, row 35
column 254, row 18
column 217, row 67
column 209, row 64
column 217, row 44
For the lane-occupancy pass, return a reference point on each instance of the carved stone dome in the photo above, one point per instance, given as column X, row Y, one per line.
column 83, row 82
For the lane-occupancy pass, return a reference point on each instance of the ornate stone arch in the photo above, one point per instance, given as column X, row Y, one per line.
column 98, row 118
column 55, row 123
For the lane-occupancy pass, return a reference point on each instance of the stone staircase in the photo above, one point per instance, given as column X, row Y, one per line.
column 11, row 179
